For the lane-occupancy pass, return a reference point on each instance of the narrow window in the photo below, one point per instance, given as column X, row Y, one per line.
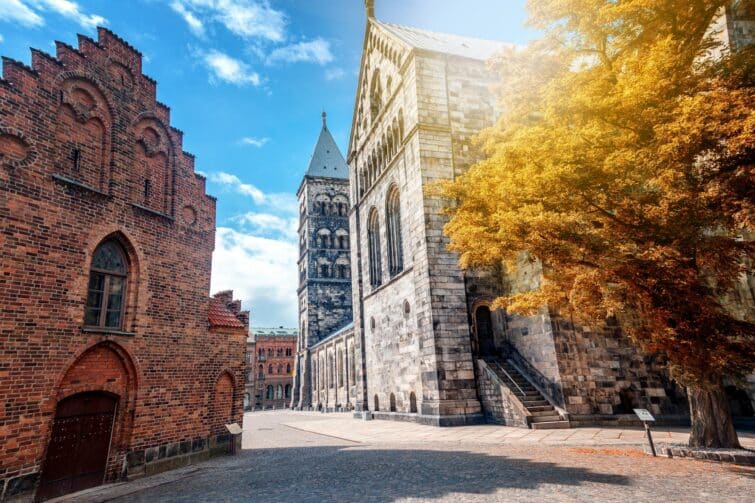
column 393, row 223
column 147, row 189
column 373, row 238
column 76, row 158
column 107, row 286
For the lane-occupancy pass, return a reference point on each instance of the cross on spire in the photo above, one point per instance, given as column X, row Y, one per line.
column 324, row 120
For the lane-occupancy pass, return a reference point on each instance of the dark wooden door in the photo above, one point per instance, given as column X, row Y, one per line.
column 484, row 327
column 79, row 444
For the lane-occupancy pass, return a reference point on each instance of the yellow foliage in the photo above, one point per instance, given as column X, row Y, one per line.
column 624, row 162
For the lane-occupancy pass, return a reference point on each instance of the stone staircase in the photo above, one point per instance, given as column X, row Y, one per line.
column 544, row 415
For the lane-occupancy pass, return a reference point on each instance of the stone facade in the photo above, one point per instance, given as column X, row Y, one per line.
column 99, row 201
column 273, row 364
column 325, row 260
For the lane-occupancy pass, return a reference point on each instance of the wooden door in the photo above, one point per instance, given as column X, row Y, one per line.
column 79, row 444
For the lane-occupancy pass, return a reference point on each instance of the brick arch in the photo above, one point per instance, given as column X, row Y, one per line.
column 83, row 132
column 153, row 173
column 136, row 281
column 223, row 402
column 27, row 153
column 104, row 367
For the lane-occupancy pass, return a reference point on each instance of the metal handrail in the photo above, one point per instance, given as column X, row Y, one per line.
column 510, row 378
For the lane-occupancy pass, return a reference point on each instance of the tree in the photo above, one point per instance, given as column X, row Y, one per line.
column 623, row 163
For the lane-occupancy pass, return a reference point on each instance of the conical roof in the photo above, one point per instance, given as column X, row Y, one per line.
column 327, row 160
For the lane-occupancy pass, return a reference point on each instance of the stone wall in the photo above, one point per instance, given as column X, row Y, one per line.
column 498, row 402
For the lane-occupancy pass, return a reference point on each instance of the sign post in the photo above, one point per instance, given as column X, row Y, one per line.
column 646, row 417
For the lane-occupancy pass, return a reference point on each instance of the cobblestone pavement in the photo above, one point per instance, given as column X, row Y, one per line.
column 282, row 462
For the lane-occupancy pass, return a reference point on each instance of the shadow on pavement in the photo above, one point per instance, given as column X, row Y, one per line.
column 366, row 474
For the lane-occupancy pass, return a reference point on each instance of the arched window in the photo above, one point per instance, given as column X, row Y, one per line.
column 107, row 286
column 279, row 352
column 280, row 369
column 269, row 394
column 315, row 377
column 339, row 369
column 393, row 402
column 262, row 352
column 279, row 394
column 288, row 351
column 288, row 368
column 261, row 372
column 331, row 372
column 393, row 225
column 270, row 352
column 270, row 369
column 352, row 364
column 373, row 245
column 376, row 96
column 412, row 402
column 377, row 404
column 288, row 391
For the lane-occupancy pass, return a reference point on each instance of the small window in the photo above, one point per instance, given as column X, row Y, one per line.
column 107, row 287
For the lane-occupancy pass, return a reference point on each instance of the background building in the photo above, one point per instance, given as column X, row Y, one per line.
column 274, row 360
column 115, row 362
column 325, row 275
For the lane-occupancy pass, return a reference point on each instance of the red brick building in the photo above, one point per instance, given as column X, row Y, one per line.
column 107, row 336
column 273, row 366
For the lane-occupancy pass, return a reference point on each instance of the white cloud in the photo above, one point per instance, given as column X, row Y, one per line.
column 269, row 225
column 19, row 12
column 313, row 51
column 230, row 70
column 30, row 12
column 1, row 39
column 283, row 202
column 261, row 271
column 254, row 142
column 334, row 73
column 245, row 18
column 195, row 25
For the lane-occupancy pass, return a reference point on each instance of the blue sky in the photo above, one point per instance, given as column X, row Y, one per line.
column 246, row 81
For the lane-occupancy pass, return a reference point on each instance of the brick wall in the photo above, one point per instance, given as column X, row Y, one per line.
column 89, row 154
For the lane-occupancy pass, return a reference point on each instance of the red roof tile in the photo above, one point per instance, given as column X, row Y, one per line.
column 220, row 316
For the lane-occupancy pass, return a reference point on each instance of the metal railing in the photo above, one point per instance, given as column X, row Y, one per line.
column 500, row 367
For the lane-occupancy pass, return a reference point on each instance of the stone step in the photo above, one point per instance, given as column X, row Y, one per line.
column 551, row 425
column 546, row 419
column 534, row 403
column 540, row 408
column 540, row 413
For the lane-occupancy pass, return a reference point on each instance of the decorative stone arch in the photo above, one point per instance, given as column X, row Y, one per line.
column 121, row 74
column 83, row 111
column 343, row 267
column 376, row 95
column 321, row 204
column 323, row 238
column 102, row 367
column 324, row 268
column 341, row 239
column 341, row 204
column 153, row 174
column 482, row 327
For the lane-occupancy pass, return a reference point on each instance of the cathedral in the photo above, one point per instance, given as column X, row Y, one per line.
column 391, row 327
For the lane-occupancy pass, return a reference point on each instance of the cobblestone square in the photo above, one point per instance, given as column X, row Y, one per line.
column 283, row 459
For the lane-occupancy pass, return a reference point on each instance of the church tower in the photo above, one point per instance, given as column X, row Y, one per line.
column 324, row 261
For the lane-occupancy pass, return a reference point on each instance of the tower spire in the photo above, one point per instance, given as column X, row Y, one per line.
column 369, row 5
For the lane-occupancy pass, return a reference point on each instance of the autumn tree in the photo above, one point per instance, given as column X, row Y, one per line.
column 623, row 163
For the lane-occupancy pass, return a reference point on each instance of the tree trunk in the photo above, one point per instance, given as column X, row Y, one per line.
column 712, row 424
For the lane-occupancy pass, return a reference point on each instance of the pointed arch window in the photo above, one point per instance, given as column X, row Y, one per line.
column 393, row 223
column 373, row 242
column 108, row 277
column 376, row 96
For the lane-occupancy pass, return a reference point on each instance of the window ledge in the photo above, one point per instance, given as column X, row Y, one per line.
column 104, row 330
column 79, row 185
column 153, row 212
column 390, row 281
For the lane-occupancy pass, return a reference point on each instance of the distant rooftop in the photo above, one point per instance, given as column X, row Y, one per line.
column 255, row 332
column 467, row 47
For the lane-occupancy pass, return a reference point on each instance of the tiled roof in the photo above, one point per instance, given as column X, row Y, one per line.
column 467, row 47
column 327, row 159
column 220, row 316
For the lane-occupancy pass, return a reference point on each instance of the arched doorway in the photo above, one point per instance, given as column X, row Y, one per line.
column 484, row 331
column 79, row 444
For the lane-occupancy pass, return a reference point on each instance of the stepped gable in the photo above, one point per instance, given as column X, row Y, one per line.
column 107, row 75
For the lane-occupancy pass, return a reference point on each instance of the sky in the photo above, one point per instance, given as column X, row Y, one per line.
column 247, row 80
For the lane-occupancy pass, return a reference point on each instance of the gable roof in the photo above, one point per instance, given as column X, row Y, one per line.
column 327, row 160
column 446, row 43
column 220, row 316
